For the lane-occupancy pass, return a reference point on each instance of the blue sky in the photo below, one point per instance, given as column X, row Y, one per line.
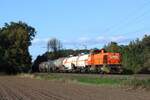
column 76, row 23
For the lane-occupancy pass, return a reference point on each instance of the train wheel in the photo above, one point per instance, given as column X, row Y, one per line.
column 87, row 69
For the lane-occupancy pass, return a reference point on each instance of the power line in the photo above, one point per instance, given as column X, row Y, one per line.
column 135, row 21
column 127, row 19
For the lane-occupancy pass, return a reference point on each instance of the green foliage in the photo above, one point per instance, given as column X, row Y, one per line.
column 112, row 47
column 15, row 39
column 135, row 56
column 39, row 59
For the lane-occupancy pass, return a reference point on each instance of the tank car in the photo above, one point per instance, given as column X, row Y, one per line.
column 76, row 63
column 58, row 65
column 43, row 67
column 47, row 66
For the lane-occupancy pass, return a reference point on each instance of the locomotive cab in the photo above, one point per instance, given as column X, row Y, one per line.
column 100, row 58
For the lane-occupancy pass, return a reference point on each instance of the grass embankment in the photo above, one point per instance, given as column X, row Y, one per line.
column 131, row 81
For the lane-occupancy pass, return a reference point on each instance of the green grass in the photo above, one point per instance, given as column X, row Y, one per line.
column 99, row 80
column 136, row 83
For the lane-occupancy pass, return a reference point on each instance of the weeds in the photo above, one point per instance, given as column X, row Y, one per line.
column 134, row 83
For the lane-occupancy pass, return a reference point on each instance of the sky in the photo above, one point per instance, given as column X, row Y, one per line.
column 79, row 23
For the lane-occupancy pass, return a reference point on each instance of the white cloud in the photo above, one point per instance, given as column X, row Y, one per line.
column 83, row 39
column 100, row 38
column 88, row 41
column 117, row 38
column 93, row 41
column 40, row 40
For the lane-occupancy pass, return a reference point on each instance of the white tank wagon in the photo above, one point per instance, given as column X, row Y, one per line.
column 46, row 66
column 82, row 61
column 43, row 67
column 69, row 62
column 58, row 64
column 75, row 62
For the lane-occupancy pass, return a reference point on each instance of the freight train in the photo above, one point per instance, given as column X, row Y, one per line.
column 98, row 61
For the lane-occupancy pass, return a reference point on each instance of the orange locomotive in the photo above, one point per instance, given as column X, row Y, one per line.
column 98, row 59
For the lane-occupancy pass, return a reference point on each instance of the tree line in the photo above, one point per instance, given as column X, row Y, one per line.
column 135, row 55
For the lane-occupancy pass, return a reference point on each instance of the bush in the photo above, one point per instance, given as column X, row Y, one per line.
column 127, row 71
column 136, row 83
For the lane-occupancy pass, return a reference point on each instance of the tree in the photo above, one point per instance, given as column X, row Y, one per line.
column 55, row 46
column 112, row 47
column 146, row 52
column 15, row 39
column 39, row 59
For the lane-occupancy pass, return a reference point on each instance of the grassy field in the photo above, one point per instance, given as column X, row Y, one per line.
column 125, row 81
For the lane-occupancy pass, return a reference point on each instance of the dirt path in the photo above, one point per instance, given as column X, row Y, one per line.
column 15, row 88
